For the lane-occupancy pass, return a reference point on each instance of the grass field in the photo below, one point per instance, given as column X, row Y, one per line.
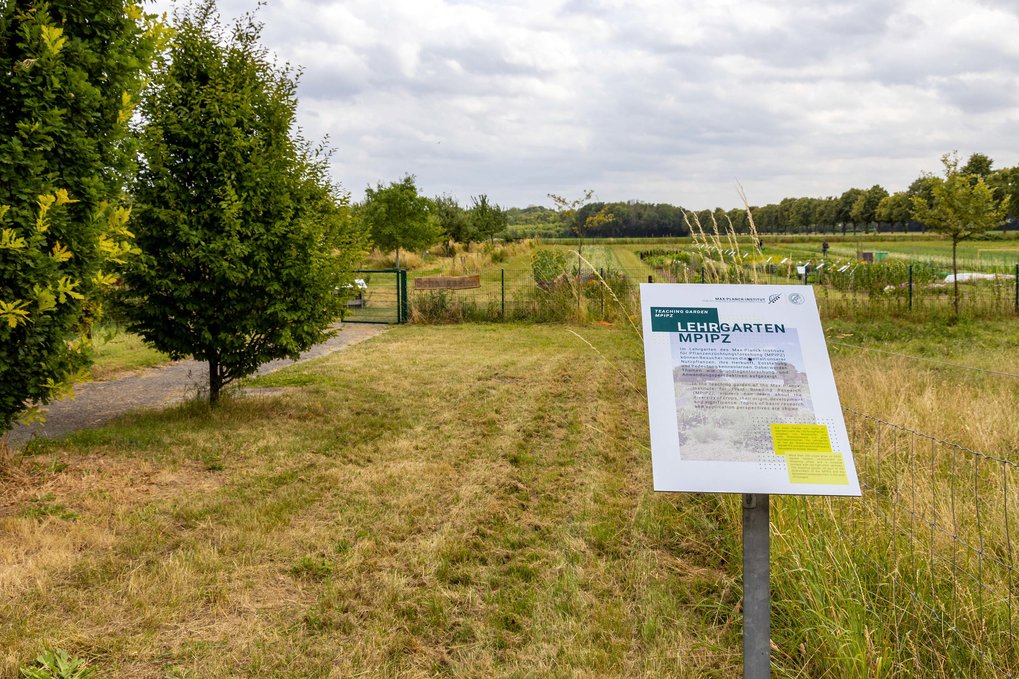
column 608, row 257
column 472, row 505
column 117, row 353
column 972, row 254
column 467, row 500
column 474, row 500
column 978, row 254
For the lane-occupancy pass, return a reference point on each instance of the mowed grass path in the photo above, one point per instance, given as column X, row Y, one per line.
column 440, row 501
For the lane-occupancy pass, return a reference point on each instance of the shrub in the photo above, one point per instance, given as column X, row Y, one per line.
column 547, row 265
column 71, row 72
column 437, row 306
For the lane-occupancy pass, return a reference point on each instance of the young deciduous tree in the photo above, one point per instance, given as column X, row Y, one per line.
column 398, row 218
column 452, row 221
column 486, row 219
column 245, row 245
column 962, row 206
column 71, row 71
column 568, row 214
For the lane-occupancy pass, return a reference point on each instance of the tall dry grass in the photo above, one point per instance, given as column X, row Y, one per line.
column 410, row 261
column 919, row 577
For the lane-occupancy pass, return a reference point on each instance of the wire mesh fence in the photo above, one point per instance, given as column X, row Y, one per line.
column 585, row 293
column 515, row 294
column 925, row 560
column 846, row 286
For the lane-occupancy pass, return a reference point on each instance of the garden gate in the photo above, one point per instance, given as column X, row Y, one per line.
column 380, row 296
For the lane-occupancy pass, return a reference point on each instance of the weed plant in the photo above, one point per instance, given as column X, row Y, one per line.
column 57, row 664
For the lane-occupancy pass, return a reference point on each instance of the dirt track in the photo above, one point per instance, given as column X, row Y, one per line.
column 97, row 402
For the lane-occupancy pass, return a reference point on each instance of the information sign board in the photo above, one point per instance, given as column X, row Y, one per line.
column 741, row 396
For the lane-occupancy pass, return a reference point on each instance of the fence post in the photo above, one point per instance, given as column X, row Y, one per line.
column 404, row 306
column 399, row 297
column 910, row 287
column 502, row 286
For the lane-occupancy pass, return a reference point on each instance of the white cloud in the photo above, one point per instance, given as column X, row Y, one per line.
column 650, row 100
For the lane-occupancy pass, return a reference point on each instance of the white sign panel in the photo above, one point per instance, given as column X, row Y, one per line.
column 741, row 395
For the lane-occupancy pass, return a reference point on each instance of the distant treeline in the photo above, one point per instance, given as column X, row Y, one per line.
column 872, row 210
column 632, row 219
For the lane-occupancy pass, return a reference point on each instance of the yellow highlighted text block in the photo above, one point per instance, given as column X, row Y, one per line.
column 824, row 468
column 800, row 437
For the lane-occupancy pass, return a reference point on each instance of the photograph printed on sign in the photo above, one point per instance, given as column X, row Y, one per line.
column 728, row 394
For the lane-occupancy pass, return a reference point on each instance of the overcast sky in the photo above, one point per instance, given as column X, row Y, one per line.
column 660, row 101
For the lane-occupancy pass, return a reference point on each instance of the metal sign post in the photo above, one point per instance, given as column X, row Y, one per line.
column 756, row 587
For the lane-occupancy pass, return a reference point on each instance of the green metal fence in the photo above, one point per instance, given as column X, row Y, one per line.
column 380, row 296
column 514, row 294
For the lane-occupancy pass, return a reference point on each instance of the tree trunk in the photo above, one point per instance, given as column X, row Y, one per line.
column 397, row 258
column 955, row 276
column 215, row 381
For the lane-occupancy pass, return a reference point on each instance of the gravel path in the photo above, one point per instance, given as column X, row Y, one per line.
column 97, row 402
